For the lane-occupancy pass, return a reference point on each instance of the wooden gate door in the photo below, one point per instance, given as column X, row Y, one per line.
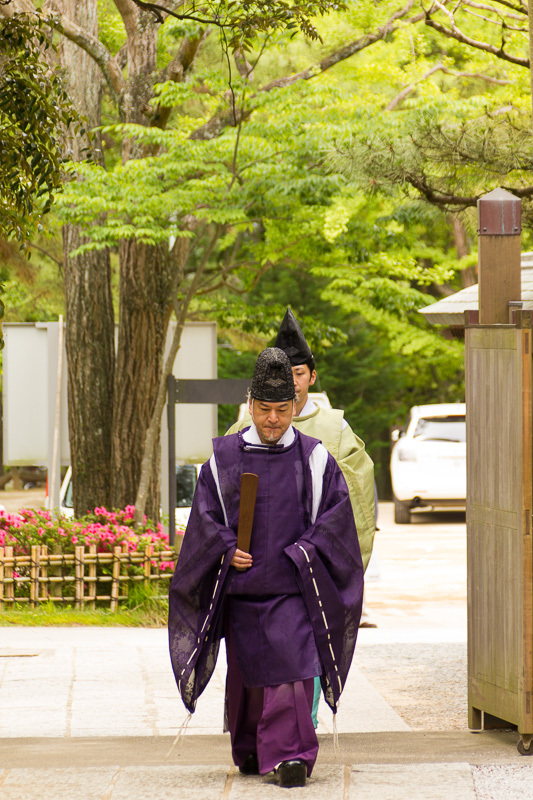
column 499, row 537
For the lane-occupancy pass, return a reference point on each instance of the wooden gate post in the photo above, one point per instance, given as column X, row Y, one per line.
column 499, row 434
column 499, row 217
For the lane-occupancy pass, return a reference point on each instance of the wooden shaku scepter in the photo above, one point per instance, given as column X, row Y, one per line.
column 249, row 483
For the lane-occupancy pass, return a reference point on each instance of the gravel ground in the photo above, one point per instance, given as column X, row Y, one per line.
column 426, row 684
column 503, row 782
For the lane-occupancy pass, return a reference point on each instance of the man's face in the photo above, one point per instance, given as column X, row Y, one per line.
column 303, row 379
column 271, row 419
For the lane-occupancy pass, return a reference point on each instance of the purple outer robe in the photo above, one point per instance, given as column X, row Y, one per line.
column 312, row 569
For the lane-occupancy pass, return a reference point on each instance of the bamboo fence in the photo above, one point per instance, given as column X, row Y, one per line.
column 84, row 577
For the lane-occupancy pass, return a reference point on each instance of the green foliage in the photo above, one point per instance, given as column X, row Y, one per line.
column 246, row 177
column 50, row 613
column 27, row 305
column 384, row 361
column 110, row 26
column 315, row 193
column 240, row 23
column 33, row 108
column 355, row 265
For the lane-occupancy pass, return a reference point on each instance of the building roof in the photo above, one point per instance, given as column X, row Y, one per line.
column 450, row 310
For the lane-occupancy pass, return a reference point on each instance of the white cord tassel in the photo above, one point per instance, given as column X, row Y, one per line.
column 336, row 746
column 181, row 731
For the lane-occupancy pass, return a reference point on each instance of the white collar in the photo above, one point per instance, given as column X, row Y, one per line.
column 252, row 437
column 308, row 408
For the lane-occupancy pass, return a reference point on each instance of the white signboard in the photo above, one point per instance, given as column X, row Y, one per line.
column 30, row 395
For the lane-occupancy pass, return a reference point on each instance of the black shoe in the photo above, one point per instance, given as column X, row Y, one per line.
column 292, row 773
column 250, row 765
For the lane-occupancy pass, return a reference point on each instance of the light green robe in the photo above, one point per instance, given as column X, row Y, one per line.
column 356, row 465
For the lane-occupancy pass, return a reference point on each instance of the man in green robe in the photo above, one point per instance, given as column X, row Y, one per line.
column 328, row 425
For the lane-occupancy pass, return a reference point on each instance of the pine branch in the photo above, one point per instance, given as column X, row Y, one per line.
column 438, row 197
column 446, row 199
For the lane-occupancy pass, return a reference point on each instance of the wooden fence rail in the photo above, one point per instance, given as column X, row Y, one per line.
column 84, row 577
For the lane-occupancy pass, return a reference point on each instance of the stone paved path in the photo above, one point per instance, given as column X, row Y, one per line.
column 93, row 713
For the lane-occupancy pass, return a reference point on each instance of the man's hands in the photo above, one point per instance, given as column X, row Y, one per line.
column 241, row 560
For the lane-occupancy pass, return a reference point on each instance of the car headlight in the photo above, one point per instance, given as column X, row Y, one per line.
column 406, row 455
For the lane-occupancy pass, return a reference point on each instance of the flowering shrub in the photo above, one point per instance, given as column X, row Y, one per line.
column 103, row 528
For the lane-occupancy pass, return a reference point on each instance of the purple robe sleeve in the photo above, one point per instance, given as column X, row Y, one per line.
column 196, row 590
column 330, row 575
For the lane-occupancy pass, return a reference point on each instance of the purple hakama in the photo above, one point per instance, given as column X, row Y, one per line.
column 292, row 616
column 273, row 721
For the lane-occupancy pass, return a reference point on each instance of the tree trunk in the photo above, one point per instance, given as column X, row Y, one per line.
column 462, row 248
column 90, row 358
column 145, row 297
column 144, row 315
column 88, row 302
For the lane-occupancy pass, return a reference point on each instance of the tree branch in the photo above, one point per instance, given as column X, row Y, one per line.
column 441, row 68
column 244, row 68
column 412, row 86
column 436, row 197
column 449, row 200
column 484, row 7
column 499, row 23
column 158, row 11
column 480, row 75
column 58, row 261
column 521, row 7
column 184, row 58
column 226, row 117
column 9, row 9
column 176, row 71
column 91, row 45
column 129, row 14
column 455, row 33
column 347, row 51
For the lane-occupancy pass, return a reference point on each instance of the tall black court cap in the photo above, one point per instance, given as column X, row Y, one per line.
column 291, row 340
column 272, row 380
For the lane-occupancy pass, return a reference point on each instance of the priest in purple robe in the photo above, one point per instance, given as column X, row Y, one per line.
column 289, row 609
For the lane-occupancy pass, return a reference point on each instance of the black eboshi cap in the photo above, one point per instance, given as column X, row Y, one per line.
column 272, row 380
column 291, row 340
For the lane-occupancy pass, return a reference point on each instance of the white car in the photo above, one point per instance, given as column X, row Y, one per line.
column 186, row 479
column 428, row 461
